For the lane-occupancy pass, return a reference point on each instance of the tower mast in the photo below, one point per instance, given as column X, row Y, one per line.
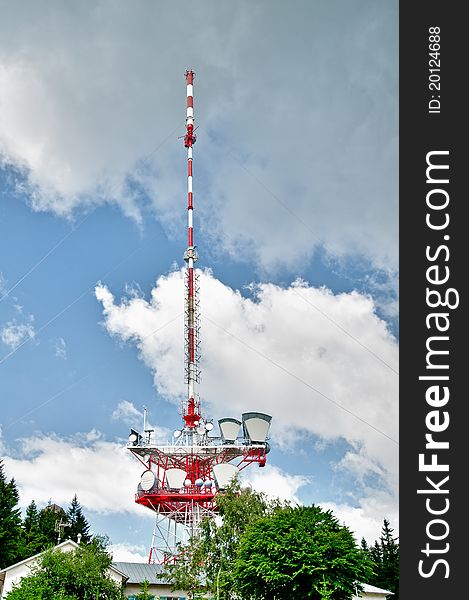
column 191, row 408
column 183, row 476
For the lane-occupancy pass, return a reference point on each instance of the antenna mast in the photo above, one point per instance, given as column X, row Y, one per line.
column 183, row 476
column 191, row 408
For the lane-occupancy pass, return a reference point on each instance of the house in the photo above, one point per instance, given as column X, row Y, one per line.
column 161, row 589
column 373, row 593
column 12, row 574
column 137, row 573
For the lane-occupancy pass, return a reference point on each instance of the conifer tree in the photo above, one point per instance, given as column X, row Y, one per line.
column 32, row 541
column 10, row 521
column 384, row 555
column 78, row 523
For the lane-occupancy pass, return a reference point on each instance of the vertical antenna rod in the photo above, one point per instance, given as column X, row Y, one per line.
column 191, row 408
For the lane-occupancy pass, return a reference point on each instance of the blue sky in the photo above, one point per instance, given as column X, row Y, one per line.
column 295, row 180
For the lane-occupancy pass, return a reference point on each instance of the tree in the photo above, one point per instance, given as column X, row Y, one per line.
column 76, row 575
column 187, row 572
column 78, row 523
column 32, row 541
column 299, row 552
column 384, row 556
column 206, row 562
column 144, row 593
column 10, row 521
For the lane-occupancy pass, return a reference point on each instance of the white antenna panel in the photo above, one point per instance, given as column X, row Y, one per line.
column 229, row 429
column 224, row 473
column 256, row 426
column 175, row 478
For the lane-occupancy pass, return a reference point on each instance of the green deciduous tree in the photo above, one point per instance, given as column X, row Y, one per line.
column 144, row 593
column 76, row 575
column 10, row 521
column 206, row 563
column 300, row 552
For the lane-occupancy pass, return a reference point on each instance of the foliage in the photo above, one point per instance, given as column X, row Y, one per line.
column 187, row 572
column 300, row 552
column 238, row 508
column 206, row 563
column 10, row 521
column 384, row 556
column 144, row 593
column 32, row 541
column 76, row 575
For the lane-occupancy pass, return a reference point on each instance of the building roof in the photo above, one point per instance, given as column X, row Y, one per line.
column 371, row 589
column 139, row 572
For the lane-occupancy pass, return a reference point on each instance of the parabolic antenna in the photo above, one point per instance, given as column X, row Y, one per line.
column 147, row 481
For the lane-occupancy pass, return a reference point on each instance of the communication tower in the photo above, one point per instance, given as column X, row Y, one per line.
column 182, row 478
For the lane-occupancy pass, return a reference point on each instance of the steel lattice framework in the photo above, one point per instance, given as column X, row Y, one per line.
column 182, row 478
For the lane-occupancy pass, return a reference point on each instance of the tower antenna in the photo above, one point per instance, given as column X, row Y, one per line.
column 183, row 477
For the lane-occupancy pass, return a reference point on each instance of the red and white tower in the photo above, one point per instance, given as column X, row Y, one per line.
column 181, row 479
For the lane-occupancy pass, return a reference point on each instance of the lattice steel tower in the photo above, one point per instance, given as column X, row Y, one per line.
column 183, row 477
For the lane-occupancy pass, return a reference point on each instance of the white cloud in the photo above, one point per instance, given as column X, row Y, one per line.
column 61, row 348
column 283, row 329
column 128, row 553
column 275, row 483
column 366, row 519
column 285, row 159
column 103, row 474
column 14, row 333
column 127, row 413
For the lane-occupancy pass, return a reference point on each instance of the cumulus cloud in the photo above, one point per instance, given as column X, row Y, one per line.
column 13, row 333
column 126, row 412
column 128, row 552
column 102, row 473
column 366, row 519
column 275, row 353
column 275, row 483
column 298, row 111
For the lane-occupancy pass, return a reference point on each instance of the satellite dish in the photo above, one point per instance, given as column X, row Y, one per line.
column 209, row 426
column 208, row 483
column 147, row 480
column 187, row 483
column 132, row 438
column 199, row 482
column 177, row 433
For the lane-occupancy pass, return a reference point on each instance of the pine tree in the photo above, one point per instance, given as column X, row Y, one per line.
column 10, row 521
column 78, row 523
column 32, row 541
column 384, row 555
column 390, row 559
